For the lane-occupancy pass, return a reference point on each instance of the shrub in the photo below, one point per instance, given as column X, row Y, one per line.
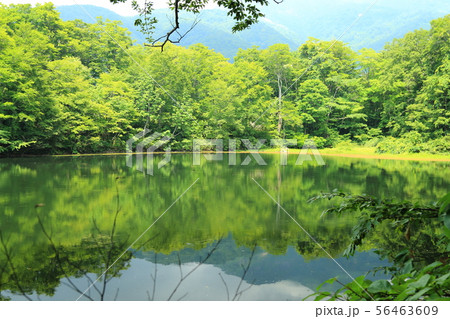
column 301, row 138
column 412, row 142
column 373, row 142
column 373, row 134
column 346, row 145
column 440, row 145
column 398, row 146
column 320, row 142
column 334, row 138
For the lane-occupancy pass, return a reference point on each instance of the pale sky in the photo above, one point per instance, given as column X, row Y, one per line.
column 123, row 9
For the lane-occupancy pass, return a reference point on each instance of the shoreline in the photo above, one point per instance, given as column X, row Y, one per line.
column 353, row 153
column 399, row 157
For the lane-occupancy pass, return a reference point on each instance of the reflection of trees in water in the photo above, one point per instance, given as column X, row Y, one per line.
column 421, row 243
column 13, row 274
column 102, row 254
column 58, row 264
column 76, row 189
column 91, row 260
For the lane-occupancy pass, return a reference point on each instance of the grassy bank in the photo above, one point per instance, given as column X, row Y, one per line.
column 369, row 152
column 355, row 152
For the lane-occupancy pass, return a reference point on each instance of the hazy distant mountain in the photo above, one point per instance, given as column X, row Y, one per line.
column 214, row 29
column 384, row 21
column 292, row 22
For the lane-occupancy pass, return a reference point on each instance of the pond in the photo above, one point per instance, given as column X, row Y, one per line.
column 92, row 228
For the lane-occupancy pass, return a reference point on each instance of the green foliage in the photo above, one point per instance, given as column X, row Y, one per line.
column 51, row 74
column 409, row 88
column 403, row 216
column 412, row 142
column 414, row 276
column 430, row 283
column 73, row 87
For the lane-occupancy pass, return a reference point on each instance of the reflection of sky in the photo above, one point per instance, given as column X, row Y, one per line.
column 286, row 277
column 268, row 268
column 204, row 284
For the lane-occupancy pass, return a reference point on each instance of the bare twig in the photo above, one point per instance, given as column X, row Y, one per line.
column 175, row 27
column 110, row 252
column 239, row 292
column 179, row 299
column 195, row 268
column 154, row 277
column 11, row 265
column 226, row 286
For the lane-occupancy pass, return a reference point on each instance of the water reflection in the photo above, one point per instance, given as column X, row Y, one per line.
column 247, row 275
column 65, row 221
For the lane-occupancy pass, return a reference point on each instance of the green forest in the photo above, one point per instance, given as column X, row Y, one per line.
column 70, row 87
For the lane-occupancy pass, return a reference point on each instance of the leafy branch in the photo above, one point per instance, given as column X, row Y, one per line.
column 402, row 215
column 408, row 281
column 244, row 12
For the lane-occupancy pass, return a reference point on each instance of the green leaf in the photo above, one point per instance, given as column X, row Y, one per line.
column 431, row 266
column 405, row 293
column 444, row 202
column 407, row 268
column 357, row 284
column 322, row 295
column 329, row 281
column 379, row 286
column 441, row 280
column 421, row 282
column 447, row 221
column 420, row 293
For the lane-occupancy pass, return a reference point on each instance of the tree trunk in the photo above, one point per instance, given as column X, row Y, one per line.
column 280, row 96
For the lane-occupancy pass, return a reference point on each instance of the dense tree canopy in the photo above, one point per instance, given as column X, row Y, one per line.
column 73, row 87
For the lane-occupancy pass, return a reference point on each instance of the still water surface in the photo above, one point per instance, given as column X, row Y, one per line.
column 65, row 221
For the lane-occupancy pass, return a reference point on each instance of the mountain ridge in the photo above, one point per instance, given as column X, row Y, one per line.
column 379, row 25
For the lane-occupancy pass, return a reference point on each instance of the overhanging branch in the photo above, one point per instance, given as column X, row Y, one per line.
column 180, row 5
